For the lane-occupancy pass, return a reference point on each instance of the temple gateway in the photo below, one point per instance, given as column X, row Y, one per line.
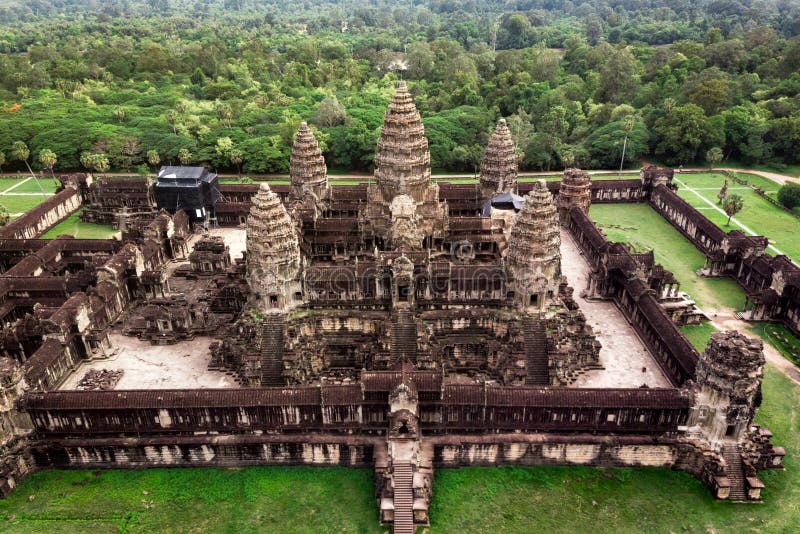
column 401, row 323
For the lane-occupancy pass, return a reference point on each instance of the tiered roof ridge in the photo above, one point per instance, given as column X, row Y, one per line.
column 402, row 145
column 499, row 165
column 306, row 163
column 271, row 237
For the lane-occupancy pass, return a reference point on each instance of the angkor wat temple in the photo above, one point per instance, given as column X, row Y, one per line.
column 401, row 323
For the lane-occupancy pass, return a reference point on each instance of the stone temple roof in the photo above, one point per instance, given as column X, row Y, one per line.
column 499, row 165
column 306, row 164
column 402, row 146
column 271, row 238
column 536, row 231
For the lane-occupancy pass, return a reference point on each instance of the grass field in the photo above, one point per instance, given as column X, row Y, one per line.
column 644, row 229
column 698, row 334
column 17, row 203
column 21, row 203
column 73, row 226
column 757, row 214
column 254, row 499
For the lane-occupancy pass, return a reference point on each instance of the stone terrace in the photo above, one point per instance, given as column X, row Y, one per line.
column 183, row 365
column 623, row 354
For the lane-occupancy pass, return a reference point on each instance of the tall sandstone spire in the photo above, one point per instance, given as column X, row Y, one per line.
column 403, row 204
column 534, row 254
column 499, row 165
column 402, row 161
column 273, row 252
column 307, row 165
column 575, row 190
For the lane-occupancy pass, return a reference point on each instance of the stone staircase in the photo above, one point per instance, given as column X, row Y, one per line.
column 536, row 352
column 735, row 473
column 403, row 498
column 271, row 348
column 404, row 336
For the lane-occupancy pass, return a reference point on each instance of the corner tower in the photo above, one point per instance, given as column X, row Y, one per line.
column 728, row 387
column 499, row 165
column 534, row 256
column 273, row 253
column 307, row 170
column 575, row 190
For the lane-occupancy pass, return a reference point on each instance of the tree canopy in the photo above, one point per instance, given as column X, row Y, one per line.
column 124, row 78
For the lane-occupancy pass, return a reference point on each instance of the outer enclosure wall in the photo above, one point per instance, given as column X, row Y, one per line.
column 50, row 212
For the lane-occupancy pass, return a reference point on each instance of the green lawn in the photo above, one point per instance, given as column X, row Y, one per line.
column 73, row 226
column 644, row 229
column 5, row 183
column 255, row 499
column 21, row 203
column 30, row 186
column 47, row 184
column 698, row 334
column 757, row 214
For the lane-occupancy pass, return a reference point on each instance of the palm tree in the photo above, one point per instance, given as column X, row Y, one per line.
column 153, row 158
column 21, row 152
column 48, row 159
column 714, row 156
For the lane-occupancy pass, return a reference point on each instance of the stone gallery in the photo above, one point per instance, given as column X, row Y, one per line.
column 400, row 323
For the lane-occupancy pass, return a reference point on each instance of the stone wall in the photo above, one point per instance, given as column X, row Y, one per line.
column 49, row 213
column 195, row 451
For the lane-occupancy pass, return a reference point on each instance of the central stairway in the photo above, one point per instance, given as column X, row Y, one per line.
column 403, row 498
column 271, row 348
column 404, row 336
column 536, row 352
column 735, row 473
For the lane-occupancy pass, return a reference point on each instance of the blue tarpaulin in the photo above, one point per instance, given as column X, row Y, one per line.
column 503, row 201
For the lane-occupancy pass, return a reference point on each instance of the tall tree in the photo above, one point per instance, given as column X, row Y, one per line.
column 723, row 192
column 48, row 159
column 714, row 157
column 184, row 156
column 153, row 158
column 330, row 113
column 732, row 205
column 21, row 152
column 681, row 133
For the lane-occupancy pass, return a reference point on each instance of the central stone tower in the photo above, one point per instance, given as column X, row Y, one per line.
column 403, row 179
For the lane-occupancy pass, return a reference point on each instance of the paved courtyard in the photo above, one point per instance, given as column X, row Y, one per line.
column 146, row 366
column 623, row 355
